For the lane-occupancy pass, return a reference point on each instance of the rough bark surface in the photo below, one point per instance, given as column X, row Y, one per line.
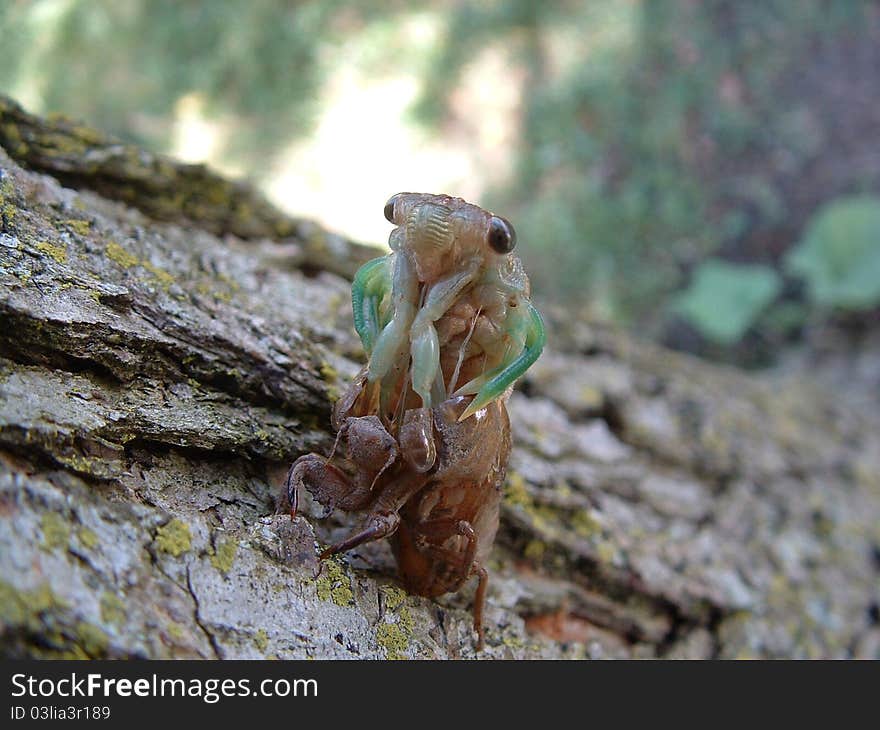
column 166, row 351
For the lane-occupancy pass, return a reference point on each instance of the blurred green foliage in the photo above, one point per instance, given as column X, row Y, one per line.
column 123, row 64
column 670, row 131
column 839, row 255
column 724, row 300
column 668, row 136
column 652, row 135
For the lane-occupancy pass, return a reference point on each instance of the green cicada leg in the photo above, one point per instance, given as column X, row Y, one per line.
column 388, row 348
column 371, row 284
column 492, row 384
column 425, row 345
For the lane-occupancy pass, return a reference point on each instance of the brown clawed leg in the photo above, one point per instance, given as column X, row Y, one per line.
column 291, row 487
column 378, row 526
column 480, row 602
column 347, row 405
column 464, row 528
column 330, row 486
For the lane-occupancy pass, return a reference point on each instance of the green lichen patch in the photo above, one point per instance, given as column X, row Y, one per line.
column 224, row 555
column 590, row 398
column 395, row 636
column 261, row 640
column 12, row 139
column 91, row 639
column 535, row 549
column 8, row 207
column 40, row 613
column 607, row 552
column 334, row 585
column 162, row 277
column 56, row 253
column 394, row 639
column 516, row 492
column 329, row 373
column 23, row 608
column 81, row 227
column 88, row 539
column 585, row 525
column 174, row 538
column 112, row 609
column 223, row 293
column 56, row 531
column 90, row 465
column 119, row 255
column 514, row 642
column 394, row 597
column 229, row 281
column 405, row 620
column 331, row 376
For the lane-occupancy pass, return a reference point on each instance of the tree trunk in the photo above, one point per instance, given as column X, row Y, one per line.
column 169, row 344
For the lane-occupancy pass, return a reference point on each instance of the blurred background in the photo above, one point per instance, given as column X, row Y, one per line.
column 704, row 173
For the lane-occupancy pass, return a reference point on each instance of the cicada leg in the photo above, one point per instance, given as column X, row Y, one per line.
column 383, row 519
column 329, row 485
column 378, row 526
column 370, row 451
column 390, row 345
column 491, row 385
column 425, row 344
column 480, row 602
column 371, row 284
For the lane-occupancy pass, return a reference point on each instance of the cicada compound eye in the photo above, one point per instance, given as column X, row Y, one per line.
column 502, row 237
column 389, row 208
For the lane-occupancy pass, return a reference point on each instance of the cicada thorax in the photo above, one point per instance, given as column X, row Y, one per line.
column 472, row 335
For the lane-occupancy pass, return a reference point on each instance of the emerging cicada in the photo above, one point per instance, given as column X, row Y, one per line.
column 423, row 431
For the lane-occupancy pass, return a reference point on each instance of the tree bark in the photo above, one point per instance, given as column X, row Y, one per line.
column 170, row 343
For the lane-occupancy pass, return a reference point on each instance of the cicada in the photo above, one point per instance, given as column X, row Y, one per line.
column 423, row 435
